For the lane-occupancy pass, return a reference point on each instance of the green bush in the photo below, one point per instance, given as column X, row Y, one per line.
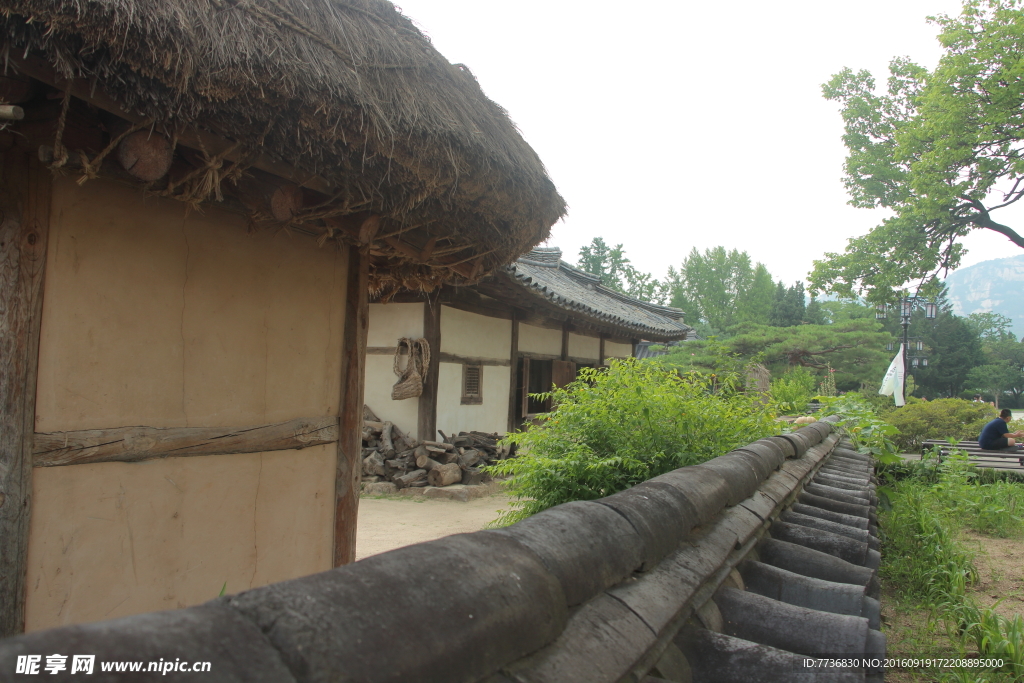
column 944, row 418
column 794, row 390
column 611, row 429
column 859, row 420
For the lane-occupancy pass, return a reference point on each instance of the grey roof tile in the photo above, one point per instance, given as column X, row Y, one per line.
column 544, row 272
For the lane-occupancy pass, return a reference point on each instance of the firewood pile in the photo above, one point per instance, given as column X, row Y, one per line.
column 390, row 455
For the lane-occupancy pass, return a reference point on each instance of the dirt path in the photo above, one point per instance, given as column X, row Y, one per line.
column 389, row 523
column 999, row 565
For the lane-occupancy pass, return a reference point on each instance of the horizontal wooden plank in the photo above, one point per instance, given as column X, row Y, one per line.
column 468, row 360
column 381, row 350
column 134, row 444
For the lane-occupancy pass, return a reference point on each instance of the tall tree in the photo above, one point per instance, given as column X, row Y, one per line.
column 954, row 350
column 991, row 326
column 814, row 314
column 721, row 288
column 753, row 303
column 941, row 149
column 993, row 378
column 1003, row 370
column 788, row 305
column 616, row 272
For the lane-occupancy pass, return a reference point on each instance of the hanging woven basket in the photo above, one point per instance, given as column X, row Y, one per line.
column 410, row 378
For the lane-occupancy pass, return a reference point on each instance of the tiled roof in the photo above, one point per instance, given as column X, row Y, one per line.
column 545, row 273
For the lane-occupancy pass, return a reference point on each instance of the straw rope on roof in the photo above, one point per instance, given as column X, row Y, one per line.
column 349, row 91
column 543, row 273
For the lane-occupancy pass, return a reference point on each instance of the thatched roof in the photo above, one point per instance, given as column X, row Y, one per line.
column 348, row 90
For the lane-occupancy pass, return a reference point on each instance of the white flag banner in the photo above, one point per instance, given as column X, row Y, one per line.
column 892, row 384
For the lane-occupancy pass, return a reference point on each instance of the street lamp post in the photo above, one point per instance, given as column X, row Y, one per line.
column 907, row 304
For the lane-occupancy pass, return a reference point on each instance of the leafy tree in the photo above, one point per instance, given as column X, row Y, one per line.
column 855, row 348
column 616, row 272
column 720, row 288
column 841, row 310
column 955, row 348
column 941, row 149
column 993, row 378
column 1005, row 359
column 991, row 326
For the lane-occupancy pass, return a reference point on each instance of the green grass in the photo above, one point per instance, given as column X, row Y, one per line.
column 926, row 565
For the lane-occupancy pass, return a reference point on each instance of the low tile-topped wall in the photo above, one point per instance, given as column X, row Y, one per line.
column 675, row 579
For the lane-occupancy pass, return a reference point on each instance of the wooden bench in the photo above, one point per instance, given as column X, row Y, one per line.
column 1010, row 458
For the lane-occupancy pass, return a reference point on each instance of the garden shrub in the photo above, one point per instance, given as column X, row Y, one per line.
column 944, row 418
column 794, row 390
column 871, row 434
column 614, row 428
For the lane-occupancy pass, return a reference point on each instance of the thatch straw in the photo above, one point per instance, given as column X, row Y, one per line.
column 348, row 90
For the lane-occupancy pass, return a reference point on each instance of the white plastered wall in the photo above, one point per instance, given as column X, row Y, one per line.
column 159, row 317
column 490, row 416
column 389, row 323
column 616, row 350
column 474, row 336
column 584, row 347
column 542, row 340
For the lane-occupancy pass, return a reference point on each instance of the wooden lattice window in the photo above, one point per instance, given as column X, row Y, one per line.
column 472, row 384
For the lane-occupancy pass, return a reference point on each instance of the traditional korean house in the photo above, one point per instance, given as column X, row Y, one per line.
column 523, row 328
column 197, row 198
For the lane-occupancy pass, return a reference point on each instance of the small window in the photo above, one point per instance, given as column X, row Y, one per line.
column 472, row 384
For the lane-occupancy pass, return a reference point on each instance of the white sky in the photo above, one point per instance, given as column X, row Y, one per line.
column 673, row 125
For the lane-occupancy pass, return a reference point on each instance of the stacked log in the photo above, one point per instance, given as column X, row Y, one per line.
column 391, row 455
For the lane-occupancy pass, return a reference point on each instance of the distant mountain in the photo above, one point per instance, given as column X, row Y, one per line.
column 996, row 286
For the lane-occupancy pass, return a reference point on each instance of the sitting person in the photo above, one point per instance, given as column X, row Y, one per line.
column 995, row 435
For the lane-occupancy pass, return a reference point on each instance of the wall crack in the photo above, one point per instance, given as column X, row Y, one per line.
column 184, row 349
column 255, row 511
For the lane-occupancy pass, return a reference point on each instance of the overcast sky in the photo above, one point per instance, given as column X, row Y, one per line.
column 669, row 125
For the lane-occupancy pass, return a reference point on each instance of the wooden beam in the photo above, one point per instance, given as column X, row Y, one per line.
column 135, row 444
column 469, row 300
column 633, row 343
column 25, row 197
column 565, row 341
column 539, row 356
column 600, row 352
column 469, row 360
column 350, row 405
column 513, row 397
column 427, row 422
column 381, row 350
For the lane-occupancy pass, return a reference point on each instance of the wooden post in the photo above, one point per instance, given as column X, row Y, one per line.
column 353, row 376
column 427, row 423
column 565, row 341
column 513, row 396
column 25, row 196
column 600, row 352
column 632, row 351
